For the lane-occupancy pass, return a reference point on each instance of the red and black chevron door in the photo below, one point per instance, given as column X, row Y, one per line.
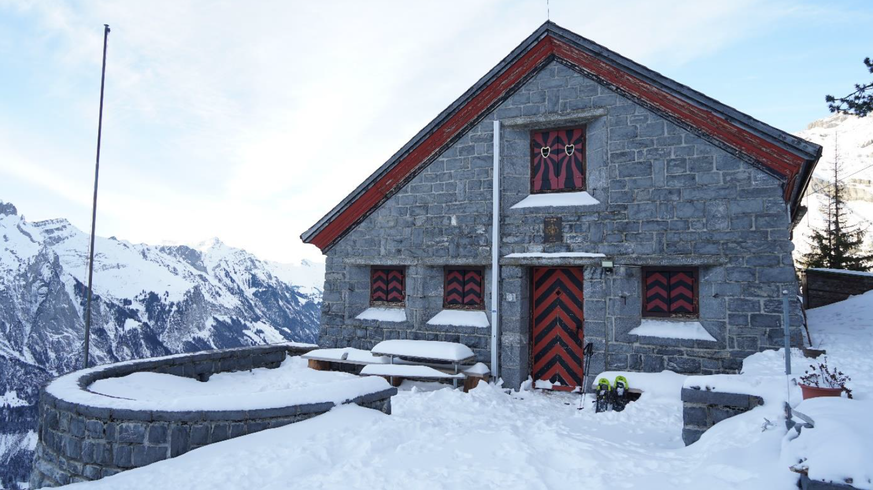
column 669, row 293
column 557, row 160
column 386, row 286
column 557, row 326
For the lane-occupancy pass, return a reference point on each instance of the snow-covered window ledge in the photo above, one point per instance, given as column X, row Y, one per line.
column 460, row 318
column 383, row 314
column 672, row 329
column 555, row 199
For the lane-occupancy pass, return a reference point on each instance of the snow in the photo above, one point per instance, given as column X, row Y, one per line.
column 347, row 354
column 843, row 271
column 307, row 276
column 383, row 314
column 479, row 369
column 11, row 399
column 553, row 255
column 407, row 371
column 290, row 384
column 665, row 385
column 554, row 199
column 424, row 349
column 672, row 329
column 460, row 318
column 491, row 438
column 841, row 444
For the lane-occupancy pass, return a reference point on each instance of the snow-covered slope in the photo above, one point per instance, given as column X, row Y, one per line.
column 850, row 139
column 148, row 301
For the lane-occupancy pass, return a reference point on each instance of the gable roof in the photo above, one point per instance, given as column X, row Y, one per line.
column 780, row 154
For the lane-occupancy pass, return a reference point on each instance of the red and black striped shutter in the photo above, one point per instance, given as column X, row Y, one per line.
column 387, row 286
column 557, row 160
column 473, row 288
column 558, row 326
column 463, row 288
column 454, row 288
column 669, row 293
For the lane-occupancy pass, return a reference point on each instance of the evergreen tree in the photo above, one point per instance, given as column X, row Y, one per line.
column 838, row 244
column 859, row 102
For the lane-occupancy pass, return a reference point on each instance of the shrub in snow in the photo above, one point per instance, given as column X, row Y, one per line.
column 822, row 376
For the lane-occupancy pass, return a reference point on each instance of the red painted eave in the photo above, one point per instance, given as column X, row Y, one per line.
column 779, row 160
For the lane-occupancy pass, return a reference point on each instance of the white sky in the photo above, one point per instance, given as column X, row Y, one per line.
column 250, row 120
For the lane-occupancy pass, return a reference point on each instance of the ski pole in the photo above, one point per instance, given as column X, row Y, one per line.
column 587, row 353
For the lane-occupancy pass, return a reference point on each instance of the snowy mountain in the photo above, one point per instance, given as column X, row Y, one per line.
column 850, row 139
column 148, row 301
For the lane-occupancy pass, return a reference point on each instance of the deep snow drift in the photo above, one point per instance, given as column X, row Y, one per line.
column 439, row 438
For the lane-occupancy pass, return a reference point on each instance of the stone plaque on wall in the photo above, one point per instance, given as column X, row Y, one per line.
column 553, row 230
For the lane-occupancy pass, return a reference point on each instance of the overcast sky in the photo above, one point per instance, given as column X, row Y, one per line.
column 250, row 120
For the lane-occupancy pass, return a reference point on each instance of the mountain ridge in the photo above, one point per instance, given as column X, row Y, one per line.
column 148, row 300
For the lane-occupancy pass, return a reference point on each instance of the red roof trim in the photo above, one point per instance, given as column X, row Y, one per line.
column 777, row 159
column 433, row 144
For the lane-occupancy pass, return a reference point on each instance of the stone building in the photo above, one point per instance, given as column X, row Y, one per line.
column 634, row 213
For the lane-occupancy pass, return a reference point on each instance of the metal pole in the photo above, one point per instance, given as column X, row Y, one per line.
column 94, row 207
column 495, row 257
column 786, row 324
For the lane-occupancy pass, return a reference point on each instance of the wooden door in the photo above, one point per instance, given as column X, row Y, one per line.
column 557, row 320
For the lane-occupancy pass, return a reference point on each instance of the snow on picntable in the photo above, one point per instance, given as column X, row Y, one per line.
column 491, row 438
column 424, row 349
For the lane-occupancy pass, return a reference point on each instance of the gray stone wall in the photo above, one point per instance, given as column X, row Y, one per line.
column 701, row 409
column 82, row 443
column 666, row 197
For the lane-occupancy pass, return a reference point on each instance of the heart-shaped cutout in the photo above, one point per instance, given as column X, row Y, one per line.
column 545, row 151
column 570, row 149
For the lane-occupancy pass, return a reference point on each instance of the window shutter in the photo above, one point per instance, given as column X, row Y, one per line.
column 557, row 160
column 463, row 288
column 669, row 293
column 454, row 288
column 657, row 292
column 387, row 286
column 473, row 288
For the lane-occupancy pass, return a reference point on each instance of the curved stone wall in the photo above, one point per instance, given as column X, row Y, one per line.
column 79, row 442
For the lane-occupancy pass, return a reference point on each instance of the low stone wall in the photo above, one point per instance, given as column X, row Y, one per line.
column 81, row 443
column 701, row 409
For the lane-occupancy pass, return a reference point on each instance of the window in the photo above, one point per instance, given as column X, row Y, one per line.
column 670, row 292
column 463, row 289
column 557, row 160
column 387, row 286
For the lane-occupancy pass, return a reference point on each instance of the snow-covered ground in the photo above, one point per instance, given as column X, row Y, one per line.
column 440, row 438
column 292, row 383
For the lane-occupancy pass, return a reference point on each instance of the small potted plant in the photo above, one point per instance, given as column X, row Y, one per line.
column 822, row 381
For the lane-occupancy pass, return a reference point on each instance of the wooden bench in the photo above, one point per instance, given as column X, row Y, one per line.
column 397, row 360
column 429, row 352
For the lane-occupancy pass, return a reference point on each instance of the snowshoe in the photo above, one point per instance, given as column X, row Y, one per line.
column 619, row 393
column 604, row 395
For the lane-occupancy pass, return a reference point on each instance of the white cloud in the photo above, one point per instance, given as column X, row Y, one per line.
column 250, row 121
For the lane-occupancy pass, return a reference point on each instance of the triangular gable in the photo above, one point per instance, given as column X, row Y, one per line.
column 784, row 156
